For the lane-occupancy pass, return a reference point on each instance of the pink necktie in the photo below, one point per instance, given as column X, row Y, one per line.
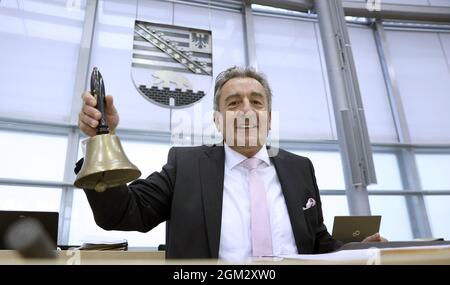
column 260, row 221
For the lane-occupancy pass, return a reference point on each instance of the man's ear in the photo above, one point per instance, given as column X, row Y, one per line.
column 269, row 123
column 218, row 120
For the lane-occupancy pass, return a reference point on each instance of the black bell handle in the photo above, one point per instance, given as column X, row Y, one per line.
column 98, row 91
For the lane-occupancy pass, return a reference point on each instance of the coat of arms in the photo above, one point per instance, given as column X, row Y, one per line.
column 171, row 65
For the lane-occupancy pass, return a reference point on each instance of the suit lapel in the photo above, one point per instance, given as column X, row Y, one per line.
column 212, row 175
column 294, row 191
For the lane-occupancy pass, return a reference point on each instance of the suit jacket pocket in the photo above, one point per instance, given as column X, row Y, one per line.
column 311, row 218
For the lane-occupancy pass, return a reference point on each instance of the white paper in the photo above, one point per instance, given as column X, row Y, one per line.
column 343, row 255
column 444, row 246
column 369, row 255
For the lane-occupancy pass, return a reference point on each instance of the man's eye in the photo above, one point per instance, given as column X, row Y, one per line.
column 233, row 103
column 257, row 102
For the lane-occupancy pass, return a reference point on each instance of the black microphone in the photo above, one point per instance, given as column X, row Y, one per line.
column 30, row 239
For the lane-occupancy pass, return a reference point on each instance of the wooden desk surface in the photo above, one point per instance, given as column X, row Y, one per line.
column 416, row 256
column 71, row 257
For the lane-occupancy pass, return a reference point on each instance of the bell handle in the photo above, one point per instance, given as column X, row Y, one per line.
column 98, row 91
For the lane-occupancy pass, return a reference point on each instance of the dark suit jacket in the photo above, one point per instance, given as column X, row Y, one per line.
column 188, row 194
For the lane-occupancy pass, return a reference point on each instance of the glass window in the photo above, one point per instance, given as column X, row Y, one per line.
column 83, row 228
column 395, row 225
column 148, row 157
column 412, row 2
column 228, row 50
column 445, row 42
column 32, row 156
column 288, row 52
column 16, row 198
column 415, row 2
column 332, row 206
column 113, row 47
column 39, row 46
column 388, row 173
column 433, row 171
column 377, row 109
column 443, row 3
column 421, row 67
column 327, row 167
column 438, row 212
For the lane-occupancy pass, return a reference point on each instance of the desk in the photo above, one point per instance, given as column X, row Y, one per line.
column 426, row 255
column 416, row 256
column 88, row 257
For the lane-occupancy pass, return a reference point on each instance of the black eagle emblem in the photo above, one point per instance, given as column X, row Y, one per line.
column 200, row 40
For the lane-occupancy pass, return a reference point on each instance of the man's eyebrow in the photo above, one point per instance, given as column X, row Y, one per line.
column 235, row 95
column 228, row 98
column 257, row 94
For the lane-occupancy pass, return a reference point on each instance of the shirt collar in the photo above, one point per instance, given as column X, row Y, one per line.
column 234, row 158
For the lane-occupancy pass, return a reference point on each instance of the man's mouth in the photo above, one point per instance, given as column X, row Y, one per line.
column 247, row 126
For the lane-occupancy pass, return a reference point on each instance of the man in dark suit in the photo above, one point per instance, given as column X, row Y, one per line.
column 208, row 194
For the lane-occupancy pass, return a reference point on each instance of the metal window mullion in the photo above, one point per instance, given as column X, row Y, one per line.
column 409, row 192
column 82, row 73
column 249, row 34
column 335, row 192
column 360, row 9
column 13, row 124
column 415, row 204
column 294, row 5
column 33, row 183
column 352, row 131
column 65, row 211
column 416, row 28
column 359, row 118
column 391, row 83
column 435, row 192
column 408, row 167
column 20, row 125
column 223, row 5
column 84, row 57
column 398, row 11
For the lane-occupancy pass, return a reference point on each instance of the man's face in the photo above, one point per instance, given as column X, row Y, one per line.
column 244, row 118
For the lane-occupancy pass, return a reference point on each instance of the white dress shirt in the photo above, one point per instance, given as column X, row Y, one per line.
column 235, row 235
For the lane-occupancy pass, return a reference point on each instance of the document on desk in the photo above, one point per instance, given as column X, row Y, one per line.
column 121, row 244
column 370, row 255
column 426, row 247
column 342, row 255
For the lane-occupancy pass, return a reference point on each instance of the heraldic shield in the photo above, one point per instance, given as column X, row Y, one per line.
column 171, row 65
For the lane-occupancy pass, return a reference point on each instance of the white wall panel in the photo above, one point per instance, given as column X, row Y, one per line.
column 395, row 224
column 112, row 53
column 444, row 3
column 288, row 53
column 377, row 109
column 39, row 44
column 423, row 76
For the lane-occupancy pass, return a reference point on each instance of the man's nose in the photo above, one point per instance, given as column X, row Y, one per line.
column 246, row 106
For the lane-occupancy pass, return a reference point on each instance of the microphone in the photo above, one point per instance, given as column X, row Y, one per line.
column 30, row 239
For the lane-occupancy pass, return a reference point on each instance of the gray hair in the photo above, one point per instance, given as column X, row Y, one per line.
column 240, row 72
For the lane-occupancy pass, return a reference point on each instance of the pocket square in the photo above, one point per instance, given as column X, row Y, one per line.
column 311, row 203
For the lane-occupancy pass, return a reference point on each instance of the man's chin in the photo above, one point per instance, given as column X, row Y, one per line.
column 248, row 143
column 250, row 140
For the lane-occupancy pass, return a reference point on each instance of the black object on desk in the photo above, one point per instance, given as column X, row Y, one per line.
column 391, row 244
column 47, row 220
column 30, row 239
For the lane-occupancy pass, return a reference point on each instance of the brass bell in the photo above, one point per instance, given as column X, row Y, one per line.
column 105, row 164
